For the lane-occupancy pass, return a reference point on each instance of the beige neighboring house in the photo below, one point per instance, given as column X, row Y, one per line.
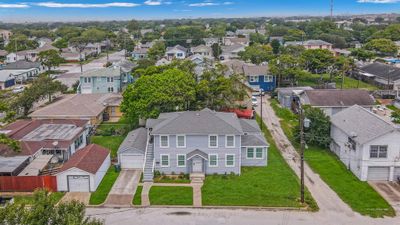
column 93, row 107
column 311, row 44
column 228, row 41
column 202, row 50
column 5, row 34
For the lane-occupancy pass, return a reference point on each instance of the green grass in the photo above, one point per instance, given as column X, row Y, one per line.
column 274, row 185
column 168, row 179
column 29, row 199
column 137, row 199
column 291, row 119
column 100, row 195
column 171, row 195
column 110, row 142
column 359, row 195
column 349, row 83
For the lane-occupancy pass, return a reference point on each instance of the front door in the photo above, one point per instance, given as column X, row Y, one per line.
column 197, row 165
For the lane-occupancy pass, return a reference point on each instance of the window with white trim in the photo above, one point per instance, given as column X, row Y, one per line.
column 253, row 78
column 181, row 141
column 164, row 160
column 230, row 141
column 250, row 153
column 213, row 141
column 378, row 151
column 230, row 161
column 259, row 153
column 164, row 141
column 181, row 160
column 213, row 160
column 268, row 78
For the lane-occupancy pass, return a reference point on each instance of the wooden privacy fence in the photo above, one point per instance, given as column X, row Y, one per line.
column 27, row 183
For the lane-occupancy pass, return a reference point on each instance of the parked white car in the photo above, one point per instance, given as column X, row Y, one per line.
column 18, row 89
column 254, row 101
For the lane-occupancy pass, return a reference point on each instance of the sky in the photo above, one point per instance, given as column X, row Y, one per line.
column 84, row 10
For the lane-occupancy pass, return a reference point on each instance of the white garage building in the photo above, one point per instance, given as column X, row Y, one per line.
column 132, row 150
column 367, row 144
column 85, row 169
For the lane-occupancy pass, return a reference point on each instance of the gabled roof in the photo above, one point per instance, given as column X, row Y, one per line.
column 337, row 98
column 88, row 159
column 197, row 152
column 382, row 71
column 201, row 48
column 232, row 48
column 252, row 140
column 308, row 42
column 177, row 47
column 360, row 124
column 198, row 122
column 22, row 65
column 255, row 70
column 112, row 71
column 135, row 142
column 249, row 126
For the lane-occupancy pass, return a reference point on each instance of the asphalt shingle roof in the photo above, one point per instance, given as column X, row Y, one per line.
column 255, row 70
column 254, row 140
column 383, row 71
column 112, row 71
column 362, row 124
column 338, row 98
column 135, row 142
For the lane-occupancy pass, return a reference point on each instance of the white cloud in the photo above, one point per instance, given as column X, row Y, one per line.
column 85, row 5
column 15, row 6
column 378, row 1
column 152, row 2
column 209, row 3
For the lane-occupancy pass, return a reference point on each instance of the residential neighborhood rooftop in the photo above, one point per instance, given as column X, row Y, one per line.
column 336, row 97
column 135, row 142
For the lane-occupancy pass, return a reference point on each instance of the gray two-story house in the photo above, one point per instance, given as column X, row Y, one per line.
column 196, row 142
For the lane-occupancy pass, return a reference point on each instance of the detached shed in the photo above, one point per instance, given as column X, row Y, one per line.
column 85, row 169
column 132, row 150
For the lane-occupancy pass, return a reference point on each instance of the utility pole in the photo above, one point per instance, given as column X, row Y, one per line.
column 331, row 10
column 302, row 146
column 261, row 107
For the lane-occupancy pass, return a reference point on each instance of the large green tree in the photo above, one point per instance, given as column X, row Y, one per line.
column 257, row 53
column 382, row 46
column 362, row 54
column 20, row 42
column 317, row 60
column 168, row 91
column 45, row 210
column 157, row 51
column 50, row 58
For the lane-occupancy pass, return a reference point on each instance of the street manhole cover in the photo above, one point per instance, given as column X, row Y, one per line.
column 180, row 213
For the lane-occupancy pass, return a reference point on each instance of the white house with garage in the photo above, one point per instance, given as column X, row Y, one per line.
column 132, row 150
column 367, row 144
column 84, row 170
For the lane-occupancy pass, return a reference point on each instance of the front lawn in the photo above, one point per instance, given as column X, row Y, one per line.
column 99, row 196
column 359, row 195
column 275, row 185
column 171, row 195
column 29, row 199
column 137, row 199
column 179, row 179
column 109, row 142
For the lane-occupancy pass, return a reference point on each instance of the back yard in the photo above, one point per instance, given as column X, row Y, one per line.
column 349, row 83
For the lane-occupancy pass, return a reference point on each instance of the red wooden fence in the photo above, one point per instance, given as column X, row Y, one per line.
column 27, row 183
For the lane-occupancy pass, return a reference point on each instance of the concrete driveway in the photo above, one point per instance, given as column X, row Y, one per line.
column 390, row 191
column 76, row 196
column 124, row 188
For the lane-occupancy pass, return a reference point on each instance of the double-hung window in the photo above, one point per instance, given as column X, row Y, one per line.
column 230, row 141
column 250, row 153
column 378, row 151
column 230, row 160
column 213, row 160
column 181, row 141
column 181, row 160
column 268, row 78
column 164, row 160
column 213, row 141
column 259, row 153
column 164, row 141
column 253, row 78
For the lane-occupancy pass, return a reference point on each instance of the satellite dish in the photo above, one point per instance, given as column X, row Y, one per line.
column 55, row 143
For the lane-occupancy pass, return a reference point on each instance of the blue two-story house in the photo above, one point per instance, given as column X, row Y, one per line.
column 112, row 79
column 195, row 142
column 258, row 77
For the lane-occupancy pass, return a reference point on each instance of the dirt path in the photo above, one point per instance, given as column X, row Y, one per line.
column 325, row 197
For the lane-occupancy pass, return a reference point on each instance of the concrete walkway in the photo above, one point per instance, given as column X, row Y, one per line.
column 76, row 196
column 325, row 197
column 124, row 188
column 390, row 191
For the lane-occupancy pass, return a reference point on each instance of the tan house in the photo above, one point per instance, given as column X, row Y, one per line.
column 311, row 44
column 93, row 107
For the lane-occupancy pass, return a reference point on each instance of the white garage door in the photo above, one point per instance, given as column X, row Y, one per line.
column 131, row 161
column 396, row 174
column 378, row 173
column 78, row 183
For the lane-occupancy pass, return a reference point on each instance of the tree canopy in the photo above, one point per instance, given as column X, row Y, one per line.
column 257, row 53
column 50, row 58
